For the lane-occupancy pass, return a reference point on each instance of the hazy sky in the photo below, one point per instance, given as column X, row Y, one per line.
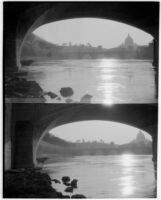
column 96, row 130
column 91, row 30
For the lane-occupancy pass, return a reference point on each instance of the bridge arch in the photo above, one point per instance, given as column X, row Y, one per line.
column 67, row 22
column 85, row 113
column 40, row 22
column 27, row 124
column 29, row 16
column 54, row 125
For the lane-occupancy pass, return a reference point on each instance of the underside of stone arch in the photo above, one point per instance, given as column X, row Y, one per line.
column 21, row 18
column 30, row 122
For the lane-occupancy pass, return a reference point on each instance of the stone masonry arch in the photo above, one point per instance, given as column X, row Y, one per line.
column 21, row 18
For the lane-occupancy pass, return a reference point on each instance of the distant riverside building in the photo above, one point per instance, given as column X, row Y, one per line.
column 129, row 44
column 142, row 140
column 140, row 137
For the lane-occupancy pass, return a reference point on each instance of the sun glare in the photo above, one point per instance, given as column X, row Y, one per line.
column 127, row 190
column 127, row 159
column 106, row 69
column 127, row 181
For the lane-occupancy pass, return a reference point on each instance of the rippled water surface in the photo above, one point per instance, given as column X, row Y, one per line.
column 123, row 176
column 108, row 81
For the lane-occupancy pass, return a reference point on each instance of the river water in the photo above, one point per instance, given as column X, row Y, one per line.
column 123, row 176
column 107, row 80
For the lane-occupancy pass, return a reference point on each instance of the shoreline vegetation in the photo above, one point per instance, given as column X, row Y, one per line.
column 35, row 183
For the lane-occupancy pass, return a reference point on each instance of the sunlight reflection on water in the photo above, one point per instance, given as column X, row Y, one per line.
column 127, row 182
column 125, row 176
column 108, row 81
column 127, row 159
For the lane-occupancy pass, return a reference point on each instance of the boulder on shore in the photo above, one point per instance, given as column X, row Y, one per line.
column 74, row 183
column 65, row 179
column 52, row 95
column 66, row 91
column 69, row 101
column 27, row 62
column 78, row 196
column 86, row 98
column 69, row 189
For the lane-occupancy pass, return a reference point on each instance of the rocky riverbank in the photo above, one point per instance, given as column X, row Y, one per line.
column 31, row 183
column 18, row 88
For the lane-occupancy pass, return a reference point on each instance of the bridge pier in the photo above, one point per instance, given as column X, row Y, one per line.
column 153, row 131
column 7, row 136
column 155, row 154
column 156, row 62
column 22, row 145
column 10, row 62
column 155, row 147
column 10, row 32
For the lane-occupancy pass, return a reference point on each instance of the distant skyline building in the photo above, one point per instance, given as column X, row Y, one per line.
column 129, row 43
column 140, row 138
